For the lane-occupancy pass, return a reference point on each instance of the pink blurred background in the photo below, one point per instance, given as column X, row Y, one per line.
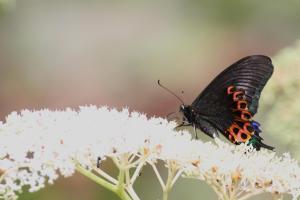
column 58, row 54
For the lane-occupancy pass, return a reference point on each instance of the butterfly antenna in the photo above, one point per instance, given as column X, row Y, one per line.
column 170, row 91
column 168, row 115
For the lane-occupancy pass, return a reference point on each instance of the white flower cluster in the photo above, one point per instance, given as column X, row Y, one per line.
column 36, row 147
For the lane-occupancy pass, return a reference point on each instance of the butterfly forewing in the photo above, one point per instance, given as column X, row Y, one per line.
column 250, row 74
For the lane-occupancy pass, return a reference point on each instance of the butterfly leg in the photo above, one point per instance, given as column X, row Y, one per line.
column 195, row 130
column 169, row 115
column 98, row 162
column 183, row 124
column 171, row 118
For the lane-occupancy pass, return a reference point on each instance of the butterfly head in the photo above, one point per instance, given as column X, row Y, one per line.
column 183, row 108
column 187, row 112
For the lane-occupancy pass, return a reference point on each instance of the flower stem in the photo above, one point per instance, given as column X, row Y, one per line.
column 136, row 172
column 162, row 184
column 105, row 175
column 95, row 178
column 248, row 195
column 172, row 171
column 121, row 190
column 168, row 185
column 117, row 189
column 165, row 195
column 220, row 189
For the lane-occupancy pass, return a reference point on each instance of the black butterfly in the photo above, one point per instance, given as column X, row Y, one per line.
column 229, row 102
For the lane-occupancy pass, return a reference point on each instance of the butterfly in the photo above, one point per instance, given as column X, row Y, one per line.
column 228, row 104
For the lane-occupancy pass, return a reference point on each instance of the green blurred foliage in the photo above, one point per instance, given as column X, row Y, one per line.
column 6, row 6
column 280, row 101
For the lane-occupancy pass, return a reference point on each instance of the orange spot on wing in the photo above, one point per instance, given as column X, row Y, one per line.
column 248, row 128
column 233, row 131
column 238, row 95
column 243, row 136
column 238, row 134
column 246, row 115
column 242, row 105
column 230, row 89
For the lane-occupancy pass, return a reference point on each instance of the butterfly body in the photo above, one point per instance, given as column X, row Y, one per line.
column 230, row 101
column 198, row 120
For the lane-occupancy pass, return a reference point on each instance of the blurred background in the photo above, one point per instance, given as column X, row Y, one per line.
column 58, row 54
